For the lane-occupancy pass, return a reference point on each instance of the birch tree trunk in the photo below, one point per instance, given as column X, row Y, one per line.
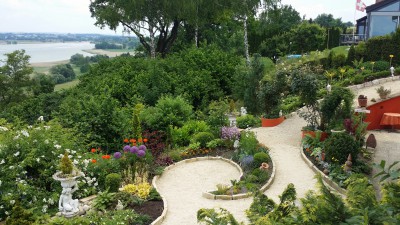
column 246, row 41
column 152, row 42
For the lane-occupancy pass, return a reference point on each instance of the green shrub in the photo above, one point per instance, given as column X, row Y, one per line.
column 246, row 121
column 338, row 61
column 215, row 143
column 203, row 138
column 338, row 146
column 20, row 216
column 103, row 200
column 290, row 104
column 181, row 136
column 113, row 182
column 248, row 143
column 169, row 111
column 175, row 155
column 261, row 157
column 358, row 79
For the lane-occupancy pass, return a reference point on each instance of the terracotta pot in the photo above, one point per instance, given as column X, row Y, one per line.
column 324, row 135
column 272, row 122
column 362, row 102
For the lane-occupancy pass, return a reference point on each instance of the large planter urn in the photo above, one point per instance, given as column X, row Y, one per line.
column 272, row 122
column 67, row 206
column 362, row 101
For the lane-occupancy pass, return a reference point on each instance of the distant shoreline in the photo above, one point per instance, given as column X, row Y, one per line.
column 49, row 64
column 107, row 53
column 2, row 42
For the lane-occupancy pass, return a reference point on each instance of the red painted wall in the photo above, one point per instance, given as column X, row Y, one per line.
column 377, row 110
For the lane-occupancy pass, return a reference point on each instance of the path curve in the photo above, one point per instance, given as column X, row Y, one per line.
column 182, row 186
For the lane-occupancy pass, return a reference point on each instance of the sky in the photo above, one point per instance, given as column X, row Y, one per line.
column 73, row 16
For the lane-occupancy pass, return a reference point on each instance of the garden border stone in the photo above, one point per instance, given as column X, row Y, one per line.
column 208, row 195
column 328, row 181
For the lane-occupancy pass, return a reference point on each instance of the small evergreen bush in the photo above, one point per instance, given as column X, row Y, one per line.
column 246, row 121
column 261, row 157
column 113, row 182
column 203, row 138
column 66, row 166
column 338, row 146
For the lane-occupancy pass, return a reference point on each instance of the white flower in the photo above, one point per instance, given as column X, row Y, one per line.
column 44, row 200
column 75, row 162
column 24, row 193
column 60, row 156
column 50, row 201
column 46, row 141
column 0, row 182
column 79, row 156
column 12, row 202
column 41, row 118
column 16, row 137
column 46, row 127
column 25, row 133
column 16, row 154
column 7, row 213
column 38, row 128
column 95, row 184
column 70, row 156
column 11, row 167
column 30, row 127
column 2, row 161
column 44, row 209
column 34, row 141
column 57, row 146
column 34, row 199
column 68, row 150
column 1, row 207
column 3, row 128
column 38, row 160
column 73, row 151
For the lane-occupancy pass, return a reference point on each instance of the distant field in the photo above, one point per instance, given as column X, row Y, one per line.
column 109, row 52
column 121, row 50
column 67, row 85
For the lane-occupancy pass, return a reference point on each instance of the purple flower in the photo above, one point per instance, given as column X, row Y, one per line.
column 127, row 148
column 141, row 153
column 142, row 147
column 134, row 149
column 117, row 155
column 230, row 133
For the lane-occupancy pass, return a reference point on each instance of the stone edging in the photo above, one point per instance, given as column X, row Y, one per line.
column 208, row 195
column 161, row 218
column 330, row 183
column 373, row 82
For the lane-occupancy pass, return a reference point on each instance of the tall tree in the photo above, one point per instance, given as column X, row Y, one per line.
column 14, row 76
column 161, row 20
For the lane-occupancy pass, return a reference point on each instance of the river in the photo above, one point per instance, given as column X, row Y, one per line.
column 48, row 52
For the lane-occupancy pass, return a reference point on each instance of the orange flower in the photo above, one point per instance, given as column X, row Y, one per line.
column 145, row 140
column 94, row 161
column 93, row 150
column 140, row 140
column 126, row 140
column 105, row 157
column 132, row 140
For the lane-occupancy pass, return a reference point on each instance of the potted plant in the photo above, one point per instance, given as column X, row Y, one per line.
column 270, row 95
column 338, row 126
column 362, row 100
column 67, row 175
column 383, row 93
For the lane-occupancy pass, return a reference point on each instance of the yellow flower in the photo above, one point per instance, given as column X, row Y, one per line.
column 391, row 56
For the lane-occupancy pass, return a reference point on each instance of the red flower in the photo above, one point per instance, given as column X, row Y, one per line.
column 94, row 161
column 93, row 150
column 145, row 140
column 106, row 157
column 126, row 140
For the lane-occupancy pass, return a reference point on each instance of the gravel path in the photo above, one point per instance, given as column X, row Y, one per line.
column 182, row 186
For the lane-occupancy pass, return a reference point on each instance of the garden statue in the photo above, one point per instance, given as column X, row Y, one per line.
column 392, row 71
column 119, row 206
column 68, row 206
column 243, row 111
column 280, row 113
column 329, row 88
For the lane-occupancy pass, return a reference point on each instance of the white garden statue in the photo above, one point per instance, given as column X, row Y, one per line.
column 392, row 71
column 68, row 206
column 243, row 111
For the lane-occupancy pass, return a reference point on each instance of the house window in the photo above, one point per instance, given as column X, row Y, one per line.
column 382, row 25
column 395, row 7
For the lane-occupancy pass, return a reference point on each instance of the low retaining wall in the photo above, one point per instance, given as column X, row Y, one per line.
column 330, row 183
